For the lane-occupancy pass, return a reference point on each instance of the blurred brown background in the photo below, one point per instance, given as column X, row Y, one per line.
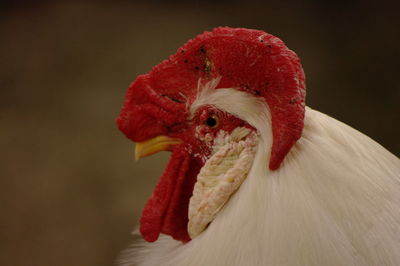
column 70, row 190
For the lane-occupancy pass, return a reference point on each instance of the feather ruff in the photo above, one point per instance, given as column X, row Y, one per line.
column 335, row 200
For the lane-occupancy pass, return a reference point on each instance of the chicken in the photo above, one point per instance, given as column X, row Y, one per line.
column 255, row 176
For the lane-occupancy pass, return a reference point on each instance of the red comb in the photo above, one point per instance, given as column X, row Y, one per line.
column 249, row 60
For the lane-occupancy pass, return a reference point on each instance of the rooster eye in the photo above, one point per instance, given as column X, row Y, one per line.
column 212, row 121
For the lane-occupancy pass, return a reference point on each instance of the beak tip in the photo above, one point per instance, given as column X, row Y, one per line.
column 137, row 155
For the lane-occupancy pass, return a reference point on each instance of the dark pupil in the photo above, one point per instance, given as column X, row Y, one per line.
column 211, row 122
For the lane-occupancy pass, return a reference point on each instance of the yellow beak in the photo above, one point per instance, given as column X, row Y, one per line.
column 154, row 145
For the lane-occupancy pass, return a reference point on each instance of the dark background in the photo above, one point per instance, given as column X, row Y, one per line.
column 70, row 190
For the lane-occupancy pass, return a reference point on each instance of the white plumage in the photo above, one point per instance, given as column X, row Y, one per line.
column 335, row 200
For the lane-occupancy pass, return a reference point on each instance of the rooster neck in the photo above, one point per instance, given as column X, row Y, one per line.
column 335, row 201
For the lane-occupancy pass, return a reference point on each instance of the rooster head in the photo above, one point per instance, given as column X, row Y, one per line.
column 194, row 104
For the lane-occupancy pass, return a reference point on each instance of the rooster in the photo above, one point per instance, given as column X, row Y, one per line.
column 255, row 176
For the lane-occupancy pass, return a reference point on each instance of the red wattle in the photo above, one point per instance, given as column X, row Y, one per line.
column 167, row 209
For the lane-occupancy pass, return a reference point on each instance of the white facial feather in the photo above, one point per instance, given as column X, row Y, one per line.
column 335, row 200
column 243, row 105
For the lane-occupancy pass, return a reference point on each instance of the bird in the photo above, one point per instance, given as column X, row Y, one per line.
column 255, row 176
